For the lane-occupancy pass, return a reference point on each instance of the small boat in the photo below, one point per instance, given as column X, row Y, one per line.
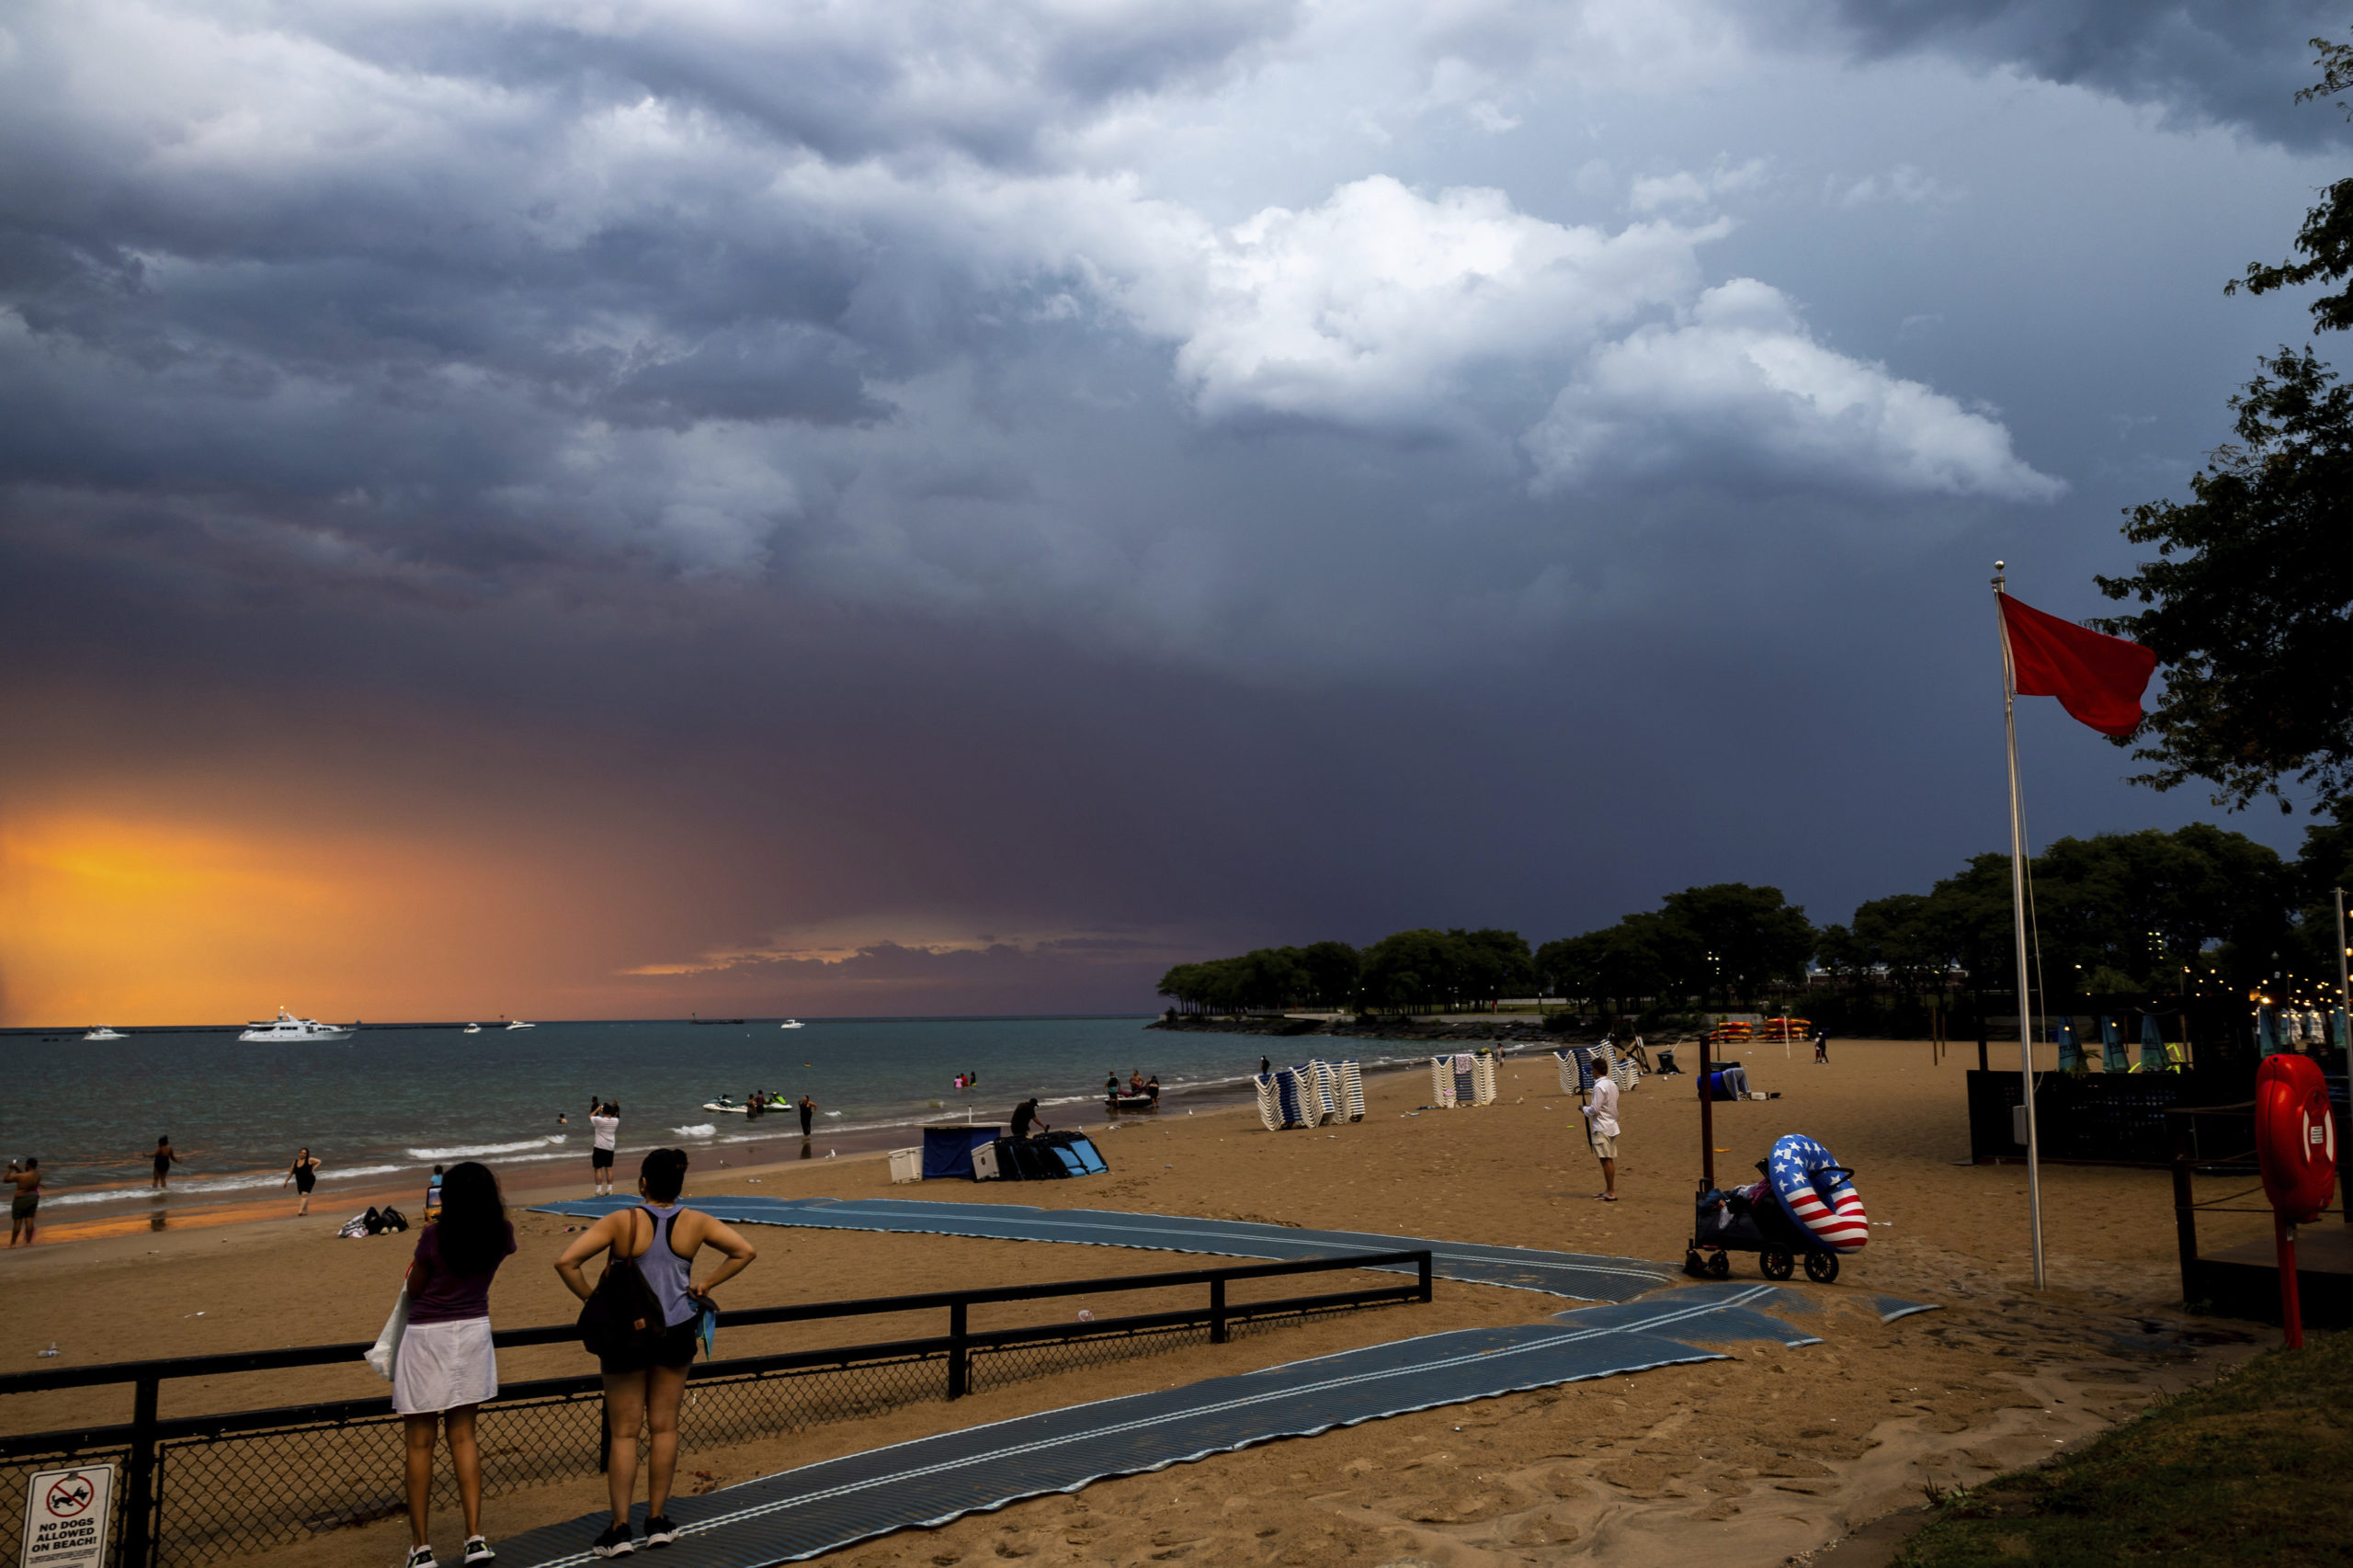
column 790, row 1024
column 519, row 1024
column 1129, row 1103
column 286, row 1026
column 101, row 1032
column 473, row 1028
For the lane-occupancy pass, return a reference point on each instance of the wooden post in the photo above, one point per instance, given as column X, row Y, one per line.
column 2185, row 1208
column 1707, row 1121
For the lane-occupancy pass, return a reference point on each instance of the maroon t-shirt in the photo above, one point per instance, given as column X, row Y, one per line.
column 437, row 1295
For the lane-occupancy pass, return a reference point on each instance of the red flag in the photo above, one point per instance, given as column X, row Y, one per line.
column 2097, row 678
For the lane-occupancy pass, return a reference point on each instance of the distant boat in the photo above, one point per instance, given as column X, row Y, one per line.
column 102, row 1032
column 790, row 1024
column 287, row 1028
column 473, row 1028
column 519, row 1024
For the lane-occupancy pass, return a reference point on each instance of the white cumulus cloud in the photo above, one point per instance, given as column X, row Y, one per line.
column 1369, row 308
column 1740, row 386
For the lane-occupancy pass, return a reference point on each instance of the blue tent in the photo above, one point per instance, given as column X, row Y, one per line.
column 2071, row 1055
column 2153, row 1045
column 2111, row 1046
column 2266, row 1032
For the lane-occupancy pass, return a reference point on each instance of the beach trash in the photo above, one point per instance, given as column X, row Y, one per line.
column 1085, row 1315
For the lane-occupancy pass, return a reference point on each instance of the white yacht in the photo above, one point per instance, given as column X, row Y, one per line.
column 790, row 1024
column 287, row 1028
column 102, row 1032
column 519, row 1024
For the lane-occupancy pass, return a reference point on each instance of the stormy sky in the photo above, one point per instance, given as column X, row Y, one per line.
column 599, row 511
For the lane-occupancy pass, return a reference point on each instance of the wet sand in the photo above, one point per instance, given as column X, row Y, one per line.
column 1772, row 1453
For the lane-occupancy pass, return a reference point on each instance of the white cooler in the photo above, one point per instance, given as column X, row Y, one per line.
column 906, row 1165
column 984, row 1163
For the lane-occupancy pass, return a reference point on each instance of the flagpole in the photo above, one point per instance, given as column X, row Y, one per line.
column 2018, row 913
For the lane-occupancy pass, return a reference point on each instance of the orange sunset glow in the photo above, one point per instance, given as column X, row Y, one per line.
column 153, row 922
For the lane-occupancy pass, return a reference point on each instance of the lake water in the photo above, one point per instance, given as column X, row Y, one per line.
column 393, row 1100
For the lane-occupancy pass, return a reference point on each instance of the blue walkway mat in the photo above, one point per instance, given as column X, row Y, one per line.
column 804, row 1513
column 1582, row 1277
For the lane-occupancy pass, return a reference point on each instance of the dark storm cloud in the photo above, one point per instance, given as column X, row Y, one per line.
column 995, row 492
column 2229, row 62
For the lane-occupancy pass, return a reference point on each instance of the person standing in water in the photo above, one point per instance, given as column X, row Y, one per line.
column 808, row 1110
column 304, row 1176
column 645, row 1388
column 604, row 1124
column 164, row 1161
column 25, row 1201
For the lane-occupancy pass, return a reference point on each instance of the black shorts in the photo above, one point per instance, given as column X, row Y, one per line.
column 677, row 1351
column 600, row 1159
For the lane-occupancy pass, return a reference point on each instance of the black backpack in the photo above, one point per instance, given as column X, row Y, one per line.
column 373, row 1220
column 621, row 1316
column 392, row 1217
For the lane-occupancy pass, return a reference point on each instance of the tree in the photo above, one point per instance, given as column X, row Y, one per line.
column 2250, row 593
column 2326, row 238
column 1332, row 970
column 1741, row 937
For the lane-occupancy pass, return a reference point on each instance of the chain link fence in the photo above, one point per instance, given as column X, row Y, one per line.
column 232, row 1492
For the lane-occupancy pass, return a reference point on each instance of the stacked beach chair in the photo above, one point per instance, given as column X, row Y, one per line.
column 1462, row 1079
column 1310, row 1095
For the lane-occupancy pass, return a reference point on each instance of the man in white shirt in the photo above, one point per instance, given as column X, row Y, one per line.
column 1601, row 1130
column 605, row 1123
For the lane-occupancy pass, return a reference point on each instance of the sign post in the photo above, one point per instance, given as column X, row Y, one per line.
column 67, row 1516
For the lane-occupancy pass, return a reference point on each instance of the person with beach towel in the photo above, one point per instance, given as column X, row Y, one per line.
column 645, row 1380
column 444, row 1367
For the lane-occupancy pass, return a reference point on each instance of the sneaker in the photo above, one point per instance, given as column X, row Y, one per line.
column 660, row 1531
column 614, row 1542
column 421, row 1557
column 478, row 1550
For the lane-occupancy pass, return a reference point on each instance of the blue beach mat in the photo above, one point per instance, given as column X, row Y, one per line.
column 1582, row 1277
column 804, row 1513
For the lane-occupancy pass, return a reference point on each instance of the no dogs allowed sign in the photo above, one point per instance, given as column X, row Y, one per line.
column 67, row 1512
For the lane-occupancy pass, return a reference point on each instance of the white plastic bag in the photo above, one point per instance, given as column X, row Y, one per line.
column 387, row 1348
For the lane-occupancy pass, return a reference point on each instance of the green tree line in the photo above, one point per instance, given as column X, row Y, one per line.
column 2119, row 914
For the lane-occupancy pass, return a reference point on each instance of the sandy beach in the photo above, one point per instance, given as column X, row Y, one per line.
column 1773, row 1453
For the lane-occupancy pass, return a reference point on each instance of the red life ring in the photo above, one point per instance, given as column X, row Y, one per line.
column 2295, row 1137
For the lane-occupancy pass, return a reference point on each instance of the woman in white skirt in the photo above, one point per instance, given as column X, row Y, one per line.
column 445, row 1365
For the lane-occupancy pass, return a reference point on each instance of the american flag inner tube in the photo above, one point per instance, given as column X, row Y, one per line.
column 1818, row 1193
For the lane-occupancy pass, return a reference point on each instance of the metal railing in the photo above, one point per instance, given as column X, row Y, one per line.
column 198, row 1488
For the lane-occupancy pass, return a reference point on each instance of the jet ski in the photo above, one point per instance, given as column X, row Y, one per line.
column 724, row 1103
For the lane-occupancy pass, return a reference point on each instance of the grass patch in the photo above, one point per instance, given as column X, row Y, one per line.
column 2253, row 1470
